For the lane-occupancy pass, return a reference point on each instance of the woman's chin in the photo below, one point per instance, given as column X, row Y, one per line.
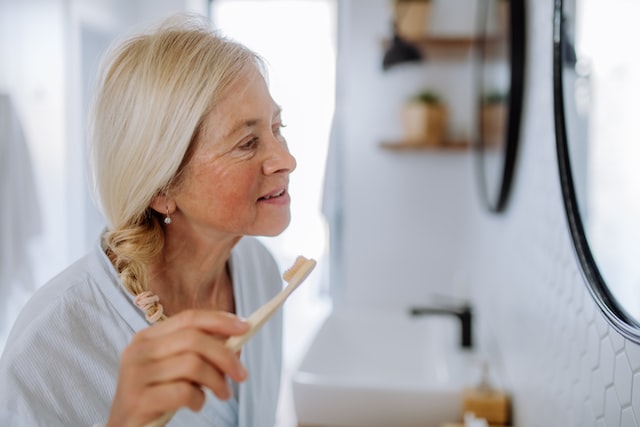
column 276, row 228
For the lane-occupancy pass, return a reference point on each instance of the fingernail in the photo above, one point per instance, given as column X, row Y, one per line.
column 240, row 322
column 242, row 373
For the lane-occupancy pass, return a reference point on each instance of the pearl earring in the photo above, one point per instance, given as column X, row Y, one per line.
column 167, row 219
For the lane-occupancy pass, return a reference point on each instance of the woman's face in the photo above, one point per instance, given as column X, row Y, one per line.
column 236, row 182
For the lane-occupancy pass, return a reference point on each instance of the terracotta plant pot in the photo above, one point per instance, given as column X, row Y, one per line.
column 424, row 124
column 412, row 18
column 503, row 17
column 494, row 122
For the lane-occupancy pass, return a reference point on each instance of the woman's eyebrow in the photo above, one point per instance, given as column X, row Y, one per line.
column 249, row 123
column 240, row 125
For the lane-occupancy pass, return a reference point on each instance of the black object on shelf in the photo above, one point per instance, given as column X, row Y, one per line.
column 400, row 51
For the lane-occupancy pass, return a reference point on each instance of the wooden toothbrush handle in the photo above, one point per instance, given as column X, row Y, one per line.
column 161, row 421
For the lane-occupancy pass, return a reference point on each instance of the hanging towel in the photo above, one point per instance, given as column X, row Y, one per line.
column 19, row 211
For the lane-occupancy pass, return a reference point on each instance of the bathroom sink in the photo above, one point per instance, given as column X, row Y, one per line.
column 377, row 368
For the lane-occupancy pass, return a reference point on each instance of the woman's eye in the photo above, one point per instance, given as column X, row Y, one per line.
column 250, row 144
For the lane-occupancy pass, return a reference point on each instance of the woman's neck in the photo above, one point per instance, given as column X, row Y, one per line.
column 188, row 277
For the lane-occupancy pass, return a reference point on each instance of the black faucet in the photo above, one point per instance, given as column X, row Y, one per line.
column 463, row 313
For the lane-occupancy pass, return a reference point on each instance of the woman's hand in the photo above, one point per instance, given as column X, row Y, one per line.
column 166, row 365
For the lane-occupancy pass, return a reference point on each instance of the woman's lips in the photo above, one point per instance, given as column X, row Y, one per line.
column 278, row 196
column 274, row 194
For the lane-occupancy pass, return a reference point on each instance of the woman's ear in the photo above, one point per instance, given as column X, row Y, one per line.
column 163, row 204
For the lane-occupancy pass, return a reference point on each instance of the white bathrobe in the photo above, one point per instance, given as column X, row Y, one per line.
column 60, row 364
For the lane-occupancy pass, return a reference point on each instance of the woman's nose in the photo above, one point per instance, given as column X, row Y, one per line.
column 279, row 159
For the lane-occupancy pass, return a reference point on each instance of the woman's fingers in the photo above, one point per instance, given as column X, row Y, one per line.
column 169, row 397
column 166, row 365
column 190, row 347
column 212, row 322
column 210, row 349
column 188, row 368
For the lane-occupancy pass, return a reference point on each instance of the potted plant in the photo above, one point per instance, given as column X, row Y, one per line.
column 412, row 18
column 424, row 119
column 493, row 112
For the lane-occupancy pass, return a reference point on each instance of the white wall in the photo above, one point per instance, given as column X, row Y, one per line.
column 413, row 221
column 32, row 69
column 405, row 214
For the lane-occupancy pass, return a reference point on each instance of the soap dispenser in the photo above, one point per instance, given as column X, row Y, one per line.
column 487, row 402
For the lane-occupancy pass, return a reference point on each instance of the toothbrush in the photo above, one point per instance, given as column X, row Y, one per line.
column 294, row 276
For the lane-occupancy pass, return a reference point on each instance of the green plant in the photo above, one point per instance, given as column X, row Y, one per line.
column 494, row 97
column 427, row 97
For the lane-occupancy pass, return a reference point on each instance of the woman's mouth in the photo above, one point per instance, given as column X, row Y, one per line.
column 274, row 195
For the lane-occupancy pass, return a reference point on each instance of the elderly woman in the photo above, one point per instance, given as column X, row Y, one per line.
column 188, row 163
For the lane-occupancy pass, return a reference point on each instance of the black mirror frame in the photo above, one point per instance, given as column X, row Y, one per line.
column 517, row 54
column 606, row 302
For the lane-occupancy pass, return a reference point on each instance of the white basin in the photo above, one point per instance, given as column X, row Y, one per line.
column 383, row 369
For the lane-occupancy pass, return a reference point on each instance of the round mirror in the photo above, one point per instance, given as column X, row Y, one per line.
column 597, row 117
column 500, row 81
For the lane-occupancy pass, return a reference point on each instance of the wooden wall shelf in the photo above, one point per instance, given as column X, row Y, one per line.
column 460, row 42
column 451, row 45
column 410, row 146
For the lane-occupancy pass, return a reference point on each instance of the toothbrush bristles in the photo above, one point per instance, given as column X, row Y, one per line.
column 299, row 264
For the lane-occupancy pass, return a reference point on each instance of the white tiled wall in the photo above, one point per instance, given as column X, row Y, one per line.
column 565, row 365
